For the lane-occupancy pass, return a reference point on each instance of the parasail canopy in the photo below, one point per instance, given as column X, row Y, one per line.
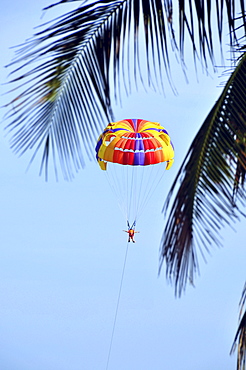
column 134, row 142
column 134, row 154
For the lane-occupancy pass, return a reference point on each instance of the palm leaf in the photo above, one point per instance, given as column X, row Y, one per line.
column 210, row 183
column 65, row 98
column 240, row 337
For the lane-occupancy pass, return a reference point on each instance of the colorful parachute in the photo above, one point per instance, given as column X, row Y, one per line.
column 134, row 154
column 134, row 142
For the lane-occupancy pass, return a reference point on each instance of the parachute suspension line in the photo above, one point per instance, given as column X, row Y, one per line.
column 150, row 188
column 142, row 178
column 117, row 306
column 130, row 190
column 133, row 186
column 133, row 225
column 134, row 191
column 121, row 188
column 139, row 190
column 148, row 179
column 134, row 180
column 115, row 183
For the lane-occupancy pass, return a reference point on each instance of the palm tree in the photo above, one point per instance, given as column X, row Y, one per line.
column 70, row 87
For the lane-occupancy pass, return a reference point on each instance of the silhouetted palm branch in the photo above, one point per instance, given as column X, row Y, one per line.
column 66, row 97
column 209, row 183
column 67, row 100
column 240, row 337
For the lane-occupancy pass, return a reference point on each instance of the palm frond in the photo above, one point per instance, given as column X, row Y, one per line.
column 240, row 337
column 66, row 99
column 210, row 183
column 198, row 21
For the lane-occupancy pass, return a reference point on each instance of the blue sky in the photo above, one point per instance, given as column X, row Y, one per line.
column 62, row 252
